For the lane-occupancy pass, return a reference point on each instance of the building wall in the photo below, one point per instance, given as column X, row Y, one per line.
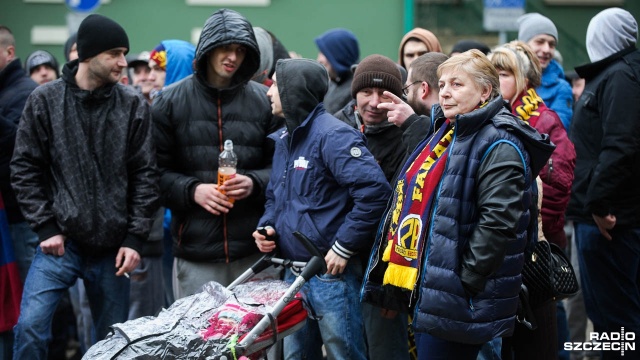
column 452, row 20
column 377, row 23
column 295, row 22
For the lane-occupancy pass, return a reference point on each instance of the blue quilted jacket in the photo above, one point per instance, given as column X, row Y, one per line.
column 441, row 305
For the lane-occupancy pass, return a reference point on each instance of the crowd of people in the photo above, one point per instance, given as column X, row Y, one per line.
column 423, row 181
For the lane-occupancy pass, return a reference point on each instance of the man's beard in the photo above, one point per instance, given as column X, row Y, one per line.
column 418, row 106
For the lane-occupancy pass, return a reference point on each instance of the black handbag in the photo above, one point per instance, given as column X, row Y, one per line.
column 548, row 274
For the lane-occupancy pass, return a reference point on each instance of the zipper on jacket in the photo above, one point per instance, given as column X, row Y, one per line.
column 224, row 216
column 549, row 170
column 94, row 161
column 180, row 234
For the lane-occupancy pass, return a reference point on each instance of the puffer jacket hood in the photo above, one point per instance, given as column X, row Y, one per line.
column 226, row 27
column 302, row 84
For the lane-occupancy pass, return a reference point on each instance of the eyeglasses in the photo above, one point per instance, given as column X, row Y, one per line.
column 405, row 90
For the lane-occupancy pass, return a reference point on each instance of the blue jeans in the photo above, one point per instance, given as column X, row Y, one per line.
column 337, row 300
column 491, row 350
column 387, row 339
column 563, row 330
column 433, row 348
column 146, row 297
column 49, row 277
column 610, row 279
column 25, row 242
column 6, row 344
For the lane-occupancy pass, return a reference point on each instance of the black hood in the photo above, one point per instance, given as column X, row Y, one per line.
column 302, row 84
column 226, row 27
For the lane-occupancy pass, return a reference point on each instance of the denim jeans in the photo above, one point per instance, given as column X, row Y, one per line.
column 6, row 344
column 610, row 279
column 25, row 242
column 337, row 300
column 434, row 348
column 387, row 339
column 563, row 330
column 49, row 277
column 146, row 297
column 84, row 322
column 491, row 350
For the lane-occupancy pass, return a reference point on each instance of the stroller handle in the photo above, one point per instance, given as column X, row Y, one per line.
column 313, row 250
column 316, row 265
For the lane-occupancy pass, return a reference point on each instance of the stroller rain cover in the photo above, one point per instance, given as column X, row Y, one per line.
column 203, row 325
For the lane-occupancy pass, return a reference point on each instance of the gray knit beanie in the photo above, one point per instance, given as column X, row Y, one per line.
column 609, row 32
column 534, row 24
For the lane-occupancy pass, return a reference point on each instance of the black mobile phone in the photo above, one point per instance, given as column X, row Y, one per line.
column 262, row 230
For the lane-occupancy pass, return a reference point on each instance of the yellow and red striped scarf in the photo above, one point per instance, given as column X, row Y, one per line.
column 413, row 199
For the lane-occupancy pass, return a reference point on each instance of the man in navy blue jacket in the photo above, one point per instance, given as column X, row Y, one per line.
column 327, row 185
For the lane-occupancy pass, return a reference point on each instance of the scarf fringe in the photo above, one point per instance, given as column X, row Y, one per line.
column 400, row 276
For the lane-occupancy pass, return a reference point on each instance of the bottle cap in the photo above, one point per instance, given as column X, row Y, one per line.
column 228, row 145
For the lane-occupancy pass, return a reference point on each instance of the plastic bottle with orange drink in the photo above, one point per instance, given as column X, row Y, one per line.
column 227, row 163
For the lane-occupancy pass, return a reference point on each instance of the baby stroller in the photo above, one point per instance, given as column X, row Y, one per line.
column 243, row 319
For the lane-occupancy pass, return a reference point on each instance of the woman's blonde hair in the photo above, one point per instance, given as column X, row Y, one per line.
column 477, row 66
column 518, row 58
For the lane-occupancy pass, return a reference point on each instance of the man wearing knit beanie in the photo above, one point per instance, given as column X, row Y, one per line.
column 88, row 186
column 97, row 34
column 338, row 50
column 375, row 75
column 377, row 80
column 603, row 203
column 42, row 67
column 541, row 34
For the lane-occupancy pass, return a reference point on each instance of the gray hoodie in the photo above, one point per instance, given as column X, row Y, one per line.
column 609, row 32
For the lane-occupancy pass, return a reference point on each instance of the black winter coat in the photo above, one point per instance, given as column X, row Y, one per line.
column 83, row 165
column 15, row 88
column 192, row 120
column 605, row 132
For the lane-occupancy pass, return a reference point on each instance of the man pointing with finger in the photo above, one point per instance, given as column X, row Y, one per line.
column 421, row 91
column 376, row 82
column 376, row 87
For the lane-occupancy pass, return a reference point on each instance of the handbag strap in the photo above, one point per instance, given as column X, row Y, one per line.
column 532, row 229
column 524, row 315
